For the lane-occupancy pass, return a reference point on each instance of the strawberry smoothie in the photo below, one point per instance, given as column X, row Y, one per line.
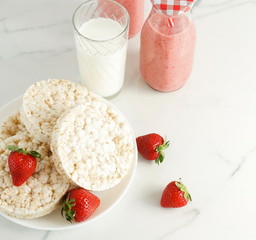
column 167, row 51
column 135, row 9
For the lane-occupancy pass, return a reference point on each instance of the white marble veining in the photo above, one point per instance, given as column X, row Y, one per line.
column 211, row 121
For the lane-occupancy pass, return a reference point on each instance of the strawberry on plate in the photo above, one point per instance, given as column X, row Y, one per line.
column 79, row 204
column 152, row 146
column 175, row 195
column 22, row 164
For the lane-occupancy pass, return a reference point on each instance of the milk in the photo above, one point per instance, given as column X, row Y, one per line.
column 102, row 55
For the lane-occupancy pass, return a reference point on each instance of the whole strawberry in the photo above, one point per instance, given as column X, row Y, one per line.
column 22, row 164
column 152, row 146
column 79, row 204
column 175, row 195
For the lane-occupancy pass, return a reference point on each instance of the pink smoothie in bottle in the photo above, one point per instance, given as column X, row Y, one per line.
column 167, row 50
column 135, row 9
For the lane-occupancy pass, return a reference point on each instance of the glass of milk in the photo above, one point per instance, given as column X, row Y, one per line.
column 101, row 30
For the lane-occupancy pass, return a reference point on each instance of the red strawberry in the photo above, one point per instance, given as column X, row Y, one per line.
column 175, row 195
column 22, row 164
column 151, row 147
column 79, row 204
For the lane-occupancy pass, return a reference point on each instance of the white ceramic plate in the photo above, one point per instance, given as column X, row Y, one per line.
column 54, row 221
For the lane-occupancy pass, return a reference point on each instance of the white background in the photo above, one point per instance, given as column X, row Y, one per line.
column 211, row 121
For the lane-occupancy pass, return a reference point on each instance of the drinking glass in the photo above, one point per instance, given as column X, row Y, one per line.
column 101, row 30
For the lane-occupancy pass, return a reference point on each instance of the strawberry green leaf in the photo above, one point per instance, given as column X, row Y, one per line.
column 34, row 154
column 160, row 159
column 67, row 205
column 160, row 149
column 12, row 148
column 183, row 188
column 21, row 150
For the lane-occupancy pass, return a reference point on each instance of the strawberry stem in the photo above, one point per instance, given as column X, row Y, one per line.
column 67, row 205
column 160, row 149
column 21, row 150
column 183, row 188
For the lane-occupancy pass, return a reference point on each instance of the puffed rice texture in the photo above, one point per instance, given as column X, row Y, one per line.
column 93, row 146
column 41, row 193
column 45, row 101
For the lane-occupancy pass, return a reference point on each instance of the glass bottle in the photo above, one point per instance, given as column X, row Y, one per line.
column 135, row 9
column 167, row 50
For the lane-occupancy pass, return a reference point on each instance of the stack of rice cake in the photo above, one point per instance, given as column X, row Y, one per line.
column 83, row 140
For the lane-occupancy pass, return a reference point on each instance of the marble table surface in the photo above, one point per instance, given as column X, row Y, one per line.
column 211, row 121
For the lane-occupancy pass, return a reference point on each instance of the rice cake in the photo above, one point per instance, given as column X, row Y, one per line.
column 92, row 145
column 45, row 101
column 41, row 193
